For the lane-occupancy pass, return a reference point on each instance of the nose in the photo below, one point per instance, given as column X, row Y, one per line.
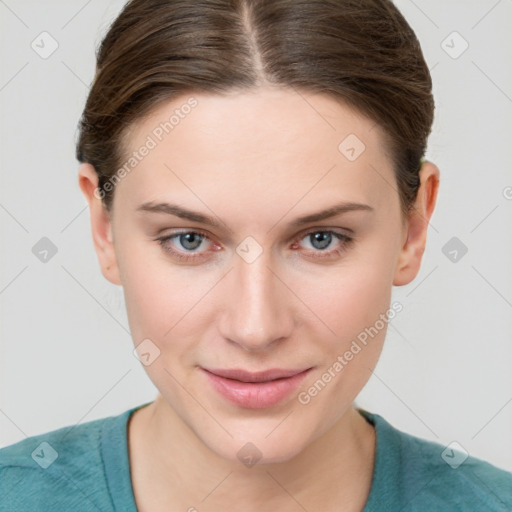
column 259, row 306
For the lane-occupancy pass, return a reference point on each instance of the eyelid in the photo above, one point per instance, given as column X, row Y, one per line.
column 324, row 229
column 344, row 242
column 194, row 231
column 296, row 237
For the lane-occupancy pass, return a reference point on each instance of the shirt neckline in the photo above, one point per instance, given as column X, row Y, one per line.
column 116, row 461
column 115, row 455
column 384, row 488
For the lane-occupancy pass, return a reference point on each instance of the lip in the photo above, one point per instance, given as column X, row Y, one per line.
column 255, row 390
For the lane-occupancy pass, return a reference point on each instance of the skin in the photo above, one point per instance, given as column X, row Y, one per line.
column 255, row 161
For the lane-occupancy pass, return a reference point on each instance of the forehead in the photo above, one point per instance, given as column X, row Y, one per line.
column 265, row 144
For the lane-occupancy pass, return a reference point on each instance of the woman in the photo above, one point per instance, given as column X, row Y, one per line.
column 256, row 183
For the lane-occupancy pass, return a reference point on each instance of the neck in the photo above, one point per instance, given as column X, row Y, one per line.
column 336, row 468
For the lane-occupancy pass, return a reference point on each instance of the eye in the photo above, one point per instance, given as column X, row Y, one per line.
column 188, row 244
column 190, row 241
column 320, row 242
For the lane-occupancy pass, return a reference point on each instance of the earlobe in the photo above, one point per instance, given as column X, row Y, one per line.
column 411, row 253
column 101, row 226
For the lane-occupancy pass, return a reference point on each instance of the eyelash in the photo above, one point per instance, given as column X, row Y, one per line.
column 345, row 240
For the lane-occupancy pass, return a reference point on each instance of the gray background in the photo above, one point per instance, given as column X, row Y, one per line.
column 66, row 352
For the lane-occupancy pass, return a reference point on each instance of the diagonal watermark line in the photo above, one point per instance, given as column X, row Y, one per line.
column 301, row 198
column 374, row 125
column 301, row 300
column 280, row 423
column 393, row 186
column 199, row 403
column 435, row 268
column 95, row 300
column 405, row 507
column 14, row 218
column 80, row 490
column 198, row 301
column 73, row 219
column 506, row 507
column 424, row 14
column 216, row 487
column 390, row 324
column 286, row 491
column 404, row 403
column 433, row 67
column 6, row 494
column 62, row 474
column 492, row 81
column 104, row 395
column 13, row 279
column 492, row 211
column 14, row 76
column 296, row 90
column 213, row 213
column 7, row 7
column 12, row 421
column 86, row 85
column 486, row 14
column 493, row 287
column 506, row 403
column 76, row 14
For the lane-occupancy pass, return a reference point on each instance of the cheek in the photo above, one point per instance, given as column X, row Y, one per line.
column 161, row 297
column 354, row 303
column 155, row 293
column 356, row 307
column 350, row 298
column 165, row 302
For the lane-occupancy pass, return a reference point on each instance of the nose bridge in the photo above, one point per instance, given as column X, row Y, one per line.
column 257, row 311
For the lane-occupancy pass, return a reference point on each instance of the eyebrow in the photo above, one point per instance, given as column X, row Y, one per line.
column 183, row 213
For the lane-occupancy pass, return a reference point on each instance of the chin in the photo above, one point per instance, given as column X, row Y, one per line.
column 252, row 454
column 262, row 442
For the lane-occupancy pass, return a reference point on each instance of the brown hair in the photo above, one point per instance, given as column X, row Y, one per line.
column 362, row 52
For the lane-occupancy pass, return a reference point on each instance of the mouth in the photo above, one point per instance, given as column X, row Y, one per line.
column 255, row 390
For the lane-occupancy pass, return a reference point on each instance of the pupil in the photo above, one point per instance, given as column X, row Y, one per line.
column 187, row 241
column 323, row 239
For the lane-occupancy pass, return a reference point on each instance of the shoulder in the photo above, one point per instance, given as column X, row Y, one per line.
column 431, row 476
column 57, row 470
column 450, row 475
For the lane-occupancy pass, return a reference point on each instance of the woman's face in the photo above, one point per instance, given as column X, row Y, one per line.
column 255, row 282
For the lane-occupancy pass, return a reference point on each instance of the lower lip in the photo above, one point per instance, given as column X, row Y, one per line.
column 255, row 395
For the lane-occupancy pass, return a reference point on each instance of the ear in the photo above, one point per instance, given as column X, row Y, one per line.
column 409, row 260
column 101, row 225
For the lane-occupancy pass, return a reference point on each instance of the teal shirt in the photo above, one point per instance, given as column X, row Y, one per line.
column 85, row 468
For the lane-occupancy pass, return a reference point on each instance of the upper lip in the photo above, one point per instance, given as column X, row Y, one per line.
column 262, row 376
